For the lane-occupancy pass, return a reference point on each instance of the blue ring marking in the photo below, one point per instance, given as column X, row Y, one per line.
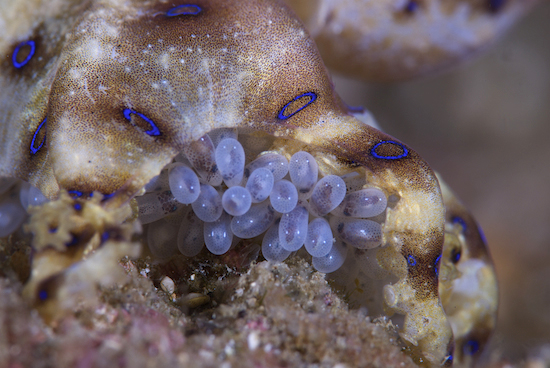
column 403, row 155
column 471, row 347
column 312, row 97
column 73, row 242
column 460, row 220
column 356, row 109
column 496, row 5
column 482, row 234
column 448, row 359
column 17, row 64
column 411, row 260
column 42, row 295
column 154, row 129
column 34, row 150
column 411, row 6
column 455, row 256
column 105, row 236
column 75, row 193
column 107, row 196
column 174, row 12
column 77, row 206
column 436, row 268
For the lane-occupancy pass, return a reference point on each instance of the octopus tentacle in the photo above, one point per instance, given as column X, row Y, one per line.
column 105, row 99
column 468, row 285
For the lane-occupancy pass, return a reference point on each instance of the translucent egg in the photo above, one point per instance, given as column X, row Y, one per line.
column 154, row 206
column 236, row 201
column 31, row 196
column 371, row 267
column 217, row 135
column 319, row 238
column 327, row 194
column 360, row 233
column 160, row 182
column 284, row 196
column 151, row 186
column 191, row 235
column 260, row 184
column 257, row 220
column 230, row 160
column 208, row 207
column 303, row 170
column 293, row 228
column 12, row 215
column 363, row 203
column 218, row 235
column 274, row 162
column 161, row 239
column 201, row 154
column 271, row 246
column 333, row 260
column 182, row 158
column 184, row 184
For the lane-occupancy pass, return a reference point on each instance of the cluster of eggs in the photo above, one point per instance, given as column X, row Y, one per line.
column 281, row 203
column 212, row 196
column 13, row 208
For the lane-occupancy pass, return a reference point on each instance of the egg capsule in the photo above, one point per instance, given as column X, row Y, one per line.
column 303, row 170
column 184, row 184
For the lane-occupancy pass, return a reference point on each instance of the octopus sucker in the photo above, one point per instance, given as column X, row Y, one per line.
column 213, row 124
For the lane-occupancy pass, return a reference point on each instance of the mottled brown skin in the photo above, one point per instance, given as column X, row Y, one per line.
column 465, row 250
column 392, row 40
column 237, row 63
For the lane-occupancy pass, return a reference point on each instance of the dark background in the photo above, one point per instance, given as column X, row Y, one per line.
column 485, row 127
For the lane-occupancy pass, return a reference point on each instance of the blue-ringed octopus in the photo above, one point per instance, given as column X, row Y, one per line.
column 104, row 107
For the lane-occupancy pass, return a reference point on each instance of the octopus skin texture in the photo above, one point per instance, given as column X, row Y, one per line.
column 392, row 40
column 467, row 281
column 99, row 96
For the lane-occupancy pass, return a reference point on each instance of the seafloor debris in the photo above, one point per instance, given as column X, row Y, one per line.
column 273, row 315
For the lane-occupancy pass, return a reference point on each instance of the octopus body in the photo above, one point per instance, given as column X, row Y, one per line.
column 392, row 40
column 467, row 281
column 99, row 101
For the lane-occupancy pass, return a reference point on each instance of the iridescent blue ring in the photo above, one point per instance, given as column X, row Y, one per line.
column 436, row 265
column 107, row 196
column 42, row 294
column 455, row 255
column 401, row 145
column 411, row 260
column 154, row 129
column 411, row 6
column 496, row 5
column 482, row 234
column 75, row 193
column 34, row 150
column 356, row 109
column 460, row 221
column 312, row 97
column 175, row 11
column 471, row 347
column 17, row 64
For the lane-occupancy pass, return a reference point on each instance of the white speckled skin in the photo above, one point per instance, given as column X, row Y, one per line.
column 124, row 87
